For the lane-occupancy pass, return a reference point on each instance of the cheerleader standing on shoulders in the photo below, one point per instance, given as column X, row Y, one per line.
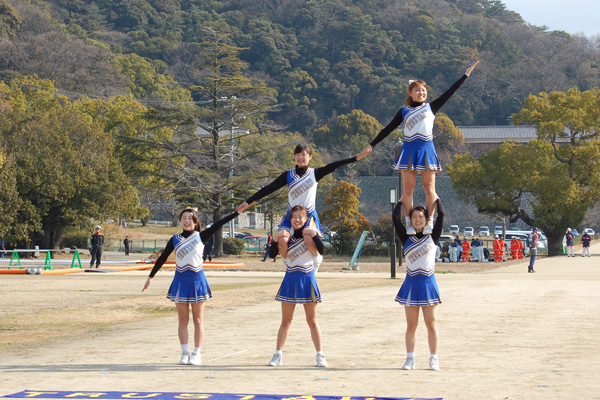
column 299, row 286
column 418, row 152
column 302, row 183
column 420, row 290
column 189, row 287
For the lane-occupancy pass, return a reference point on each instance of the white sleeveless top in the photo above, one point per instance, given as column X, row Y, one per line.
column 302, row 190
column 299, row 258
column 420, row 255
column 188, row 252
column 418, row 123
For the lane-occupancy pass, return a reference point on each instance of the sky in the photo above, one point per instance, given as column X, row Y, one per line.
column 572, row 16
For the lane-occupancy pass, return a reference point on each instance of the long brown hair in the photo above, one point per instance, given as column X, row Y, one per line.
column 411, row 85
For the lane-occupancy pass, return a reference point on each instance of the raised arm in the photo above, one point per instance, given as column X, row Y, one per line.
column 440, row 101
column 206, row 234
column 278, row 183
column 321, row 172
column 438, row 227
column 398, row 226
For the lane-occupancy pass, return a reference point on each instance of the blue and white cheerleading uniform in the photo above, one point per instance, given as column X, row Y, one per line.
column 302, row 190
column 189, row 283
column 418, row 152
column 419, row 287
column 299, row 283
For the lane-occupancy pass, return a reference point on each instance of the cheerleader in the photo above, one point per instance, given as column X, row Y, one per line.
column 189, row 284
column 420, row 290
column 418, row 152
column 299, row 286
column 302, row 183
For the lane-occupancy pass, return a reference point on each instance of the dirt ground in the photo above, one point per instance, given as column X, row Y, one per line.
column 505, row 334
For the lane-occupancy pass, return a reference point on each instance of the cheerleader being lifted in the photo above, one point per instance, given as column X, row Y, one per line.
column 418, row 152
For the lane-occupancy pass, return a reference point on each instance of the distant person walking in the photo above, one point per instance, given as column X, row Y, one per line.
column 127, row 245
column 586, row 240
column 96, row 241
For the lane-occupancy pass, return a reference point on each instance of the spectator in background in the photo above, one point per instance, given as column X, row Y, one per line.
column 569, row 239
column 208, row 247
column 586, row 240
column 532, row 243
column 497, row 249
column 2, row 252
column 466, row 247
column 96, row 241
column 127, row 245
column 268, row 247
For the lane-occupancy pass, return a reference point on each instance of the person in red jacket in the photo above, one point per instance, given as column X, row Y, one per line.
column 497, row 249
column 466, row 248
column 520, row 253
column 514, row 248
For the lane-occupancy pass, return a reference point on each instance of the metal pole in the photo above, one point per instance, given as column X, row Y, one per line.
column 393, row 246
column 393, row 251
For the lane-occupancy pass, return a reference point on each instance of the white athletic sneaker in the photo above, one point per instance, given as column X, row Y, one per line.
column 321, row 360
column 409, row 363
column 410, row 230
column 276, row 360
column 434, row 364
column 196, row 358
column 185, row 358
column 428, row 229
column 317, row 261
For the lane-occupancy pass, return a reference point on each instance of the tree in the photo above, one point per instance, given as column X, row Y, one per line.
column 527, row 182
column 343, row 217
column 230, row 107
column 63, row 163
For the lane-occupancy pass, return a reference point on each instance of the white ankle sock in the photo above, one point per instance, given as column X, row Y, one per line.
column 184, row 348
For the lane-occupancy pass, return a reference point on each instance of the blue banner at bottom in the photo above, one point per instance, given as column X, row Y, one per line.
column 106, row 395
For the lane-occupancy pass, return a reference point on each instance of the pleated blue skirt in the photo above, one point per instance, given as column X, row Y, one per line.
column 418, row 155
column 299, row 287
column 189, row 287
column 419, row 290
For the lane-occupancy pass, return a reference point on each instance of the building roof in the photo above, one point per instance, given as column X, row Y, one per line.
column 502, row 133
column 496, row 134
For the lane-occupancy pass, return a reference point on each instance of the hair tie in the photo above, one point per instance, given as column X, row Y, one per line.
column 410, row 81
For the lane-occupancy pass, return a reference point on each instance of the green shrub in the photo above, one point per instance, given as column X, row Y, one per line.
column 234, row 246
column 76, row 238
column 376, row 250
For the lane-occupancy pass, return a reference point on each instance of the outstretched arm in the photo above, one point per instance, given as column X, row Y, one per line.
column 278, row 183
column 321, row 172
column 160, row 261
column 440, row 101
column 209, row 232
